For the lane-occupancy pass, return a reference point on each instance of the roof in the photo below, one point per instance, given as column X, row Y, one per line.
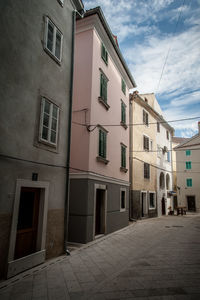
column 99, row 12
column 179, row 140
column 160, row 118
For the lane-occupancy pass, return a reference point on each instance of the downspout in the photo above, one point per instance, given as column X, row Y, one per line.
column 66, row 208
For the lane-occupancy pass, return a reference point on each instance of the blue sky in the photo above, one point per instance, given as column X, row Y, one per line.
column 148, row 31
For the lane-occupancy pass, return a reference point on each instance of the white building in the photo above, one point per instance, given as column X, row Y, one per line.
column 188, row 170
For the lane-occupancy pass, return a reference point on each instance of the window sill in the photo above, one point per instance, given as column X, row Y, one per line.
column 123, row 125
column 104, row 103
column 122, row 169
column 103, row 160
column 52, row 56
column 152, row 208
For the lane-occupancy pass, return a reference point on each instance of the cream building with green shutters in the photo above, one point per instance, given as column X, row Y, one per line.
column 188, row 173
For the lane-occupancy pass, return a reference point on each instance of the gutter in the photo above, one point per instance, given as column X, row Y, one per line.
column 66, row 207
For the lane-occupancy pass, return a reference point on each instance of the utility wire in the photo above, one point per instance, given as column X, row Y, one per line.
column 170, row 47
column 138, row 124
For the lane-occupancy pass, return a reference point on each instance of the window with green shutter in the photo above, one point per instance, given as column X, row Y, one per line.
column 103, row 87
column 123, row 156
column 123, row 112
column 104, row 53
column 123, row 87
column 102, row 143
column 189, row 182
column 188, row 165
column 188, row 152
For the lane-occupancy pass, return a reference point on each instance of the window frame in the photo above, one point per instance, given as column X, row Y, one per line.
column 103, row 99
column 187, row 152
column 104, row 53
column 123, row 114
column 189, row 182
column 49, row 127
column 146, row 145
column 146, row 171
column 122, row 190
column 102, row 154
column 167, row 134
column 188, row 165
column 158, row 126
column 145, row 118
column 123, row 86
column 154, row 200
column 56, row 30
column 123, row 158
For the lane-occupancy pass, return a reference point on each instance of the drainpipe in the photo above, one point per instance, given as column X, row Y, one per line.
column 66, row 208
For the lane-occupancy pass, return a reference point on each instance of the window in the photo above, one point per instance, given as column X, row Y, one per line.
column 122, row 199
column 123, row 156
column 152, row 200
column 49, row 122
column 145, row 118
column 53, row 40
column 104, row 53
column 123, row 87
column 167, row 134
column 123, row 112
column 188, row 165
column 189, row 182
column 188, row 152
column 103, row 87
column 146, row 143
column 158, row 127
column 146, row 100
column 168, row 156
column 146, row 171
column 102, row 143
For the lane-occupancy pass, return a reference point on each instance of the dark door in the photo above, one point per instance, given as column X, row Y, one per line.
column 143, row 204
column 100, row 211
column 27, row 222
column 163, row 206
column 191, row 203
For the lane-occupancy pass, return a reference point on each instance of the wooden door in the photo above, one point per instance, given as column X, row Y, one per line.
column 27, row 226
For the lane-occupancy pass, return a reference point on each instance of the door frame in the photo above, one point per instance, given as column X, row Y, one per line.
column 26, row 262
column 104, row 188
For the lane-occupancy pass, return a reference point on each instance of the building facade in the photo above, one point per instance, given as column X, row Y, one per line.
column 36, row 78
column 99, row 165
column 150, row 157
column 188, row 169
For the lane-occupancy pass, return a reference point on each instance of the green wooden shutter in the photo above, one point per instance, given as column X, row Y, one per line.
column 123, row 113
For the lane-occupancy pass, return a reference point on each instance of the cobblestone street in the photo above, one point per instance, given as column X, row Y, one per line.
column 151, row 259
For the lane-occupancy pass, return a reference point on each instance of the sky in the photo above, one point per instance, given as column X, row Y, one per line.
column 160, row 41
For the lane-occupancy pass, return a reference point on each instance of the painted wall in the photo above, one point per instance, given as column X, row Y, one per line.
column 193, row 173
column 27, row 74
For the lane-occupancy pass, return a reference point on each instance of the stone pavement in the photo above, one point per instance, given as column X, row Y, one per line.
column 152, row 259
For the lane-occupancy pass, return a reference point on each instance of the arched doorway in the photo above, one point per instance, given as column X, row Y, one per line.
column 163, row 206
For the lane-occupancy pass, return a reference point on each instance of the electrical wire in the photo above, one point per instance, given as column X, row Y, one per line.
column 137, row 124
column 170, row 48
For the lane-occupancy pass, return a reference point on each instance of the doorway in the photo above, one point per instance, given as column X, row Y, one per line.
column 163, row 206
column 191, row 203
column 144, row 203
column 100, row 212
column 27, row 224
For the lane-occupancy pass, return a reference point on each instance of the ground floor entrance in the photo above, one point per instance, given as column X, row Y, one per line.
column 191, row 203
column 163, row 206
column 27, row 225
column 100, row 212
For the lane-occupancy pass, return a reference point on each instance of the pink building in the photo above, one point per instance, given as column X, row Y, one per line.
column 99, row 175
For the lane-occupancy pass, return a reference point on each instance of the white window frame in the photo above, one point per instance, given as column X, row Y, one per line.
column 122, row 190
column 55, row 30
column 154, row 193
column 48, row 141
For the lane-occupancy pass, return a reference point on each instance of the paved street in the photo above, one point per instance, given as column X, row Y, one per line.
column 152, row 259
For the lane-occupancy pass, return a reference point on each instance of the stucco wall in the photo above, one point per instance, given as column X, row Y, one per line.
column 27, row 74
